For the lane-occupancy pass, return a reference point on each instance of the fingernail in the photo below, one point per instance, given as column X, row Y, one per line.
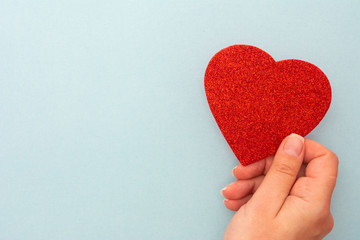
column 293, row 145
column 232, row 172
column 222, row 191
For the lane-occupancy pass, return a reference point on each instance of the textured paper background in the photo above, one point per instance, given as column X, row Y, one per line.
column 105, row 131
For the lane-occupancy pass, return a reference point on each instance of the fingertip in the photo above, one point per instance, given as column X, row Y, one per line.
column 234, row 171
column 250, row 171
column 222, row 191
column 241, row 188
column 228, row 191
column 235, row 205
column 230, row 205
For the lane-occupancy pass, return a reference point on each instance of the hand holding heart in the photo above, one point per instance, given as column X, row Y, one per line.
column 256, row 102
column 286, row 196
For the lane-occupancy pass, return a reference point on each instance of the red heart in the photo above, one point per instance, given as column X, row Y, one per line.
column 257, row 102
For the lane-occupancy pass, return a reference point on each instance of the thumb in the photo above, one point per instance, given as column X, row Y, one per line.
column 279, row 180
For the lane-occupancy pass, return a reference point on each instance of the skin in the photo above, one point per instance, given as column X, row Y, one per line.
column 286, row 196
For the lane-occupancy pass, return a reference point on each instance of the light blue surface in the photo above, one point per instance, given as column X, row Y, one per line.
column 105, row 131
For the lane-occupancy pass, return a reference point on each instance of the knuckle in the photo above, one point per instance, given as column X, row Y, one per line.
column 321, row 221
column 330, row 225
column 285, row 169
column 322, row 214
column 334, row 157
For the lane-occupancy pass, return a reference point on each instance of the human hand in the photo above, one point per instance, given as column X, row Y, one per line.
column 286, row 196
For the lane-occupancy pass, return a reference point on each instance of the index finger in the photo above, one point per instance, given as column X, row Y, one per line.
column 253, row 170
column 322, row 169
column 322, row 162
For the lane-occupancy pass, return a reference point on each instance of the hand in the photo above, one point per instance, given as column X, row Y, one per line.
column 286, row 196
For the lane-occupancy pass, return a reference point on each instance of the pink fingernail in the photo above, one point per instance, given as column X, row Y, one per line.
column 293, row 145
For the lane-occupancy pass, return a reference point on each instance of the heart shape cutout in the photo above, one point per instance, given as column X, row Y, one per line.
column 257, row 101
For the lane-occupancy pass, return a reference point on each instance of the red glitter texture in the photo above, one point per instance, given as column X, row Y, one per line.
column 257, row 102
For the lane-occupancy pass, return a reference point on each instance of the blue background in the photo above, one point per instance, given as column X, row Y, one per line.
column 105, row 131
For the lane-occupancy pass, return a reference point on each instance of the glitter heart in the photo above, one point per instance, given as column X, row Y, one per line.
column 257, row 101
